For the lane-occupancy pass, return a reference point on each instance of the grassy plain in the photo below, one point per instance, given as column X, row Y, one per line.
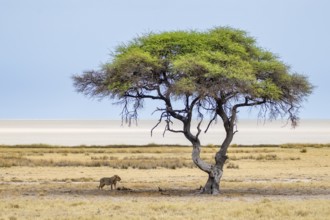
column 259, row 182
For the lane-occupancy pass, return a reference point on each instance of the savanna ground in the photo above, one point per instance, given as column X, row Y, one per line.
column 259, row 182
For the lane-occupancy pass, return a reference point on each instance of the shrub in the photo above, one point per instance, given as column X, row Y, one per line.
column 232, row 166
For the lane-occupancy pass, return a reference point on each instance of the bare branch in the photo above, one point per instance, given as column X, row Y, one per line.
column 92, row 84
column 159, row 121
column 130, row 113
column 168, row 127
column 246, row 103
column 201, row 116
column 210, row 122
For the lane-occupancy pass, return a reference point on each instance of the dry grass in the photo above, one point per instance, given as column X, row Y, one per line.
column 163, row 208
column 263, row 182
column 145, row 157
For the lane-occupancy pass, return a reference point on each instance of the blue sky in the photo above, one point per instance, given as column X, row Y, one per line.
column 42, row 43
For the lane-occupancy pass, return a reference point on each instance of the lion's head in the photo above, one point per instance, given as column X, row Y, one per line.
column 117, row 178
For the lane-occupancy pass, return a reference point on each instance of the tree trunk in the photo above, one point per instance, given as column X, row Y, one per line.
column 212, row 185
column 215, row 172
column 197, row 159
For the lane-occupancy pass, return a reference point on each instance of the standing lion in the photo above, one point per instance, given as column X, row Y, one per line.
column 109, row 181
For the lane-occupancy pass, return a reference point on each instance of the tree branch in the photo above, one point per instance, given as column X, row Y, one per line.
column 159, row 121
column 168, row 127
column 200, row 122
column 210, row 122
column 245, row 104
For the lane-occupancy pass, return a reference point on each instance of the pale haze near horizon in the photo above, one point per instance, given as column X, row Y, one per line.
column 42, row 43
column 111, row 132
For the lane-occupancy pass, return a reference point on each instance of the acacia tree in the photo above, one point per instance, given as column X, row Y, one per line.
column 194, row 75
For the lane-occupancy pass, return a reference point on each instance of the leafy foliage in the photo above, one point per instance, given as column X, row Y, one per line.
column 220, row 66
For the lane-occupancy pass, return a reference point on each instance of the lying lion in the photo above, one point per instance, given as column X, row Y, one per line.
column 109, row 181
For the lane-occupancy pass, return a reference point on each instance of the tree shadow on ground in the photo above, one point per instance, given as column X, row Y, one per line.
column 182, row 192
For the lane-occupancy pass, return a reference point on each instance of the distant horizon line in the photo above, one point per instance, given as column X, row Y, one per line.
column 146, row 119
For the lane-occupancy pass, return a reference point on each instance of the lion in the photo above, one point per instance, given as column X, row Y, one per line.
column 112, row 181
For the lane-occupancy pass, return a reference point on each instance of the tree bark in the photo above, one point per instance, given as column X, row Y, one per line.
column 201, row 164
column 214, row 172
column 212, row 185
